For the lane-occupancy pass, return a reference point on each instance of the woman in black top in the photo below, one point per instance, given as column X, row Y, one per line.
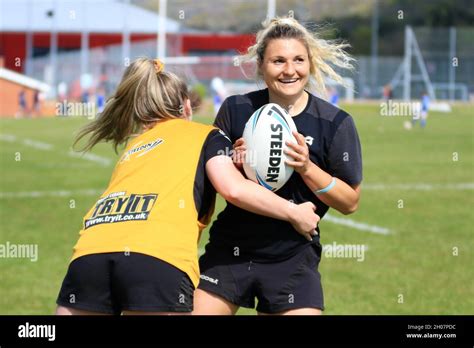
column 251, row 256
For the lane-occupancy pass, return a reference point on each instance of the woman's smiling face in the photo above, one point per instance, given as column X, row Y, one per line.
column 285, row 67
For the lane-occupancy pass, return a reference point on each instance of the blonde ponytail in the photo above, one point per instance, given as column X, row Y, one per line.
column 146, row 95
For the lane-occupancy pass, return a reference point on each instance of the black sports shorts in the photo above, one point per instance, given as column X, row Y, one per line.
column 115, row 282
column 278, row 286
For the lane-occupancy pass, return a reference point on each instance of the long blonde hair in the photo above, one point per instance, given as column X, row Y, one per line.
column 321, row 52
column 145, row 96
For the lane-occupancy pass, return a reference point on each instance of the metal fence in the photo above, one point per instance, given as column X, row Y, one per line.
column 447, row 54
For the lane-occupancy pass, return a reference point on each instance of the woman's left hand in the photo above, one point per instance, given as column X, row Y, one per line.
column 299, row 152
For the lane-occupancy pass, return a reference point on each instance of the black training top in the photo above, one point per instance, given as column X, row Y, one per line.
column 333, row 146
column 216, row 144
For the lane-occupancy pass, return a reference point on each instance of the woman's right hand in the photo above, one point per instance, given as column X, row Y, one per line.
column 304, row 219
column 238, row 156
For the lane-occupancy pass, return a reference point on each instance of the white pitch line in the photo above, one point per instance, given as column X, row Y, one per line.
column 8, row 137
column 357, row 225
column 91, row 157
column 40, row 194
column 39, row 145
column 93, row 192
column 28, row 142
column 419, row 186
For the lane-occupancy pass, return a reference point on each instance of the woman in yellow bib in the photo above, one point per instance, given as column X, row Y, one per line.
column 137, row 250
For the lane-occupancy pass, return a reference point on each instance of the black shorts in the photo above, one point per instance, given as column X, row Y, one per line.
column 289, row 284
column 114, row 282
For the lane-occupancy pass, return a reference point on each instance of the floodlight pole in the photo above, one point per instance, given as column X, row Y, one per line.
column 29, row 41
column 125, row 34
column 374, row 45
column 53, row 50
column 407, row 65
column 452, row 68
column 162, row 30
column 84, row 41
column 271, row 9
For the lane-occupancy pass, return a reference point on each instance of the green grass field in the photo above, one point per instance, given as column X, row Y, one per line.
column 423, row 266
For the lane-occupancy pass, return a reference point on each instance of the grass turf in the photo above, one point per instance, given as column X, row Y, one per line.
column 424, row 266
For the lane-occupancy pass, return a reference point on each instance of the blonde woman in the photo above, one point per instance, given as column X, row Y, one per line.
column 137, row 250
column 260, row 257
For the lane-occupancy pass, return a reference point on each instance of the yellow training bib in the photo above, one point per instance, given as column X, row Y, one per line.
column 149, row 205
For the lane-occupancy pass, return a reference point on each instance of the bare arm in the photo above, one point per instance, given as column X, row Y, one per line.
column 341, row 197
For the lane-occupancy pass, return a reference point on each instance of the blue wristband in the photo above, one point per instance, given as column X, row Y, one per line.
column 327, row 188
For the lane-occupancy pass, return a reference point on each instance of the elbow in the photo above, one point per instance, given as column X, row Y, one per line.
column 231, row 195
column 352, row 206
column 231, row 188
column 350, row 209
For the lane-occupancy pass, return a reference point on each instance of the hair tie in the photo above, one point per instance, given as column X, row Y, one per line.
column 159, row 65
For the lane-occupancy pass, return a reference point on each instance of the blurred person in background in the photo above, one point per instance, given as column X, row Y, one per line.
column 22, row 105
column 423, row 112
column 334, row 96
column 219, row 93
column 36, row 105
column 100, row 99
column 387, row 92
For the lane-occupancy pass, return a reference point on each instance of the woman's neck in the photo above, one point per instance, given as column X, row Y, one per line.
column 294, row 105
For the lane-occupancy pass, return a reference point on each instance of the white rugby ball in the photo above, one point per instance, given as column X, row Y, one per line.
column 265, row 135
